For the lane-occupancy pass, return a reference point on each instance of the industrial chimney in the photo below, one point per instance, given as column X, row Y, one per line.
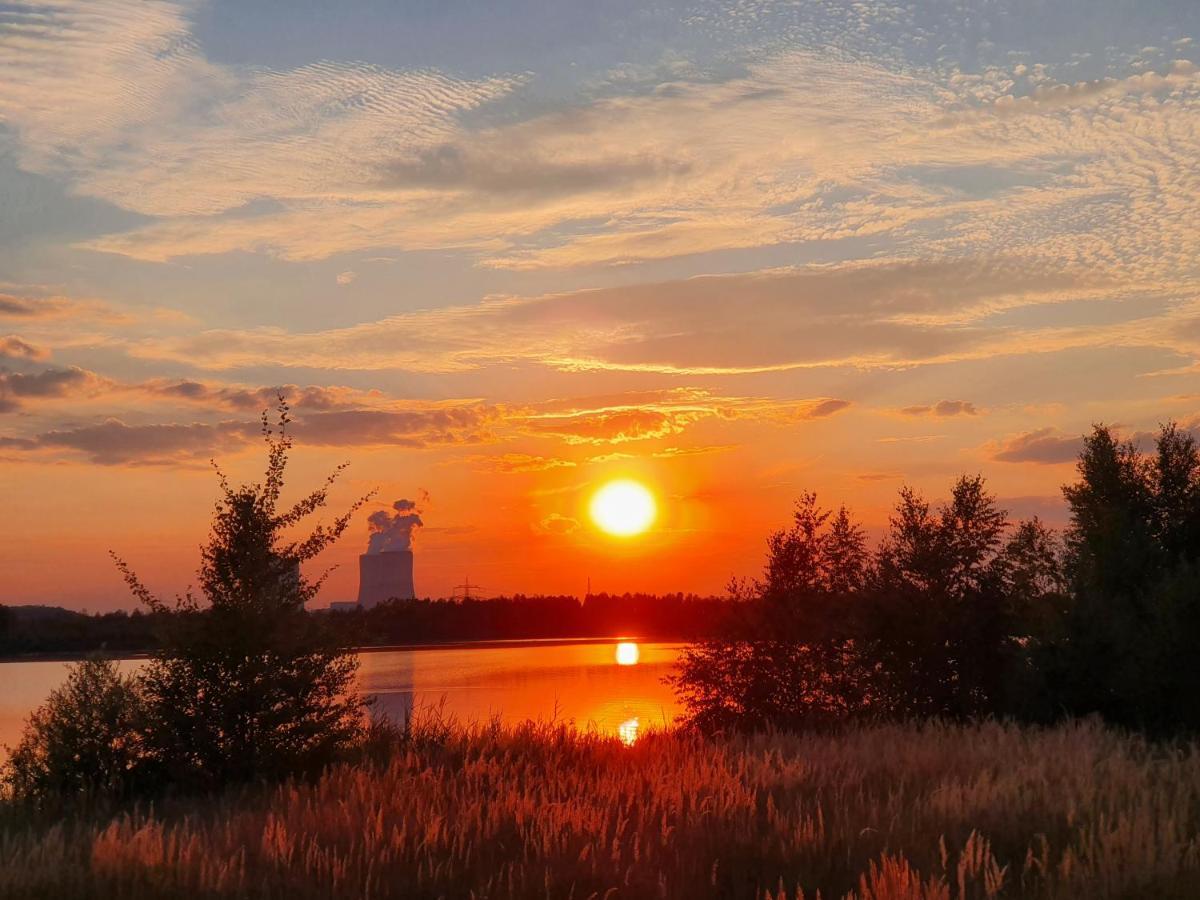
column 385, row 576
column 385, row 571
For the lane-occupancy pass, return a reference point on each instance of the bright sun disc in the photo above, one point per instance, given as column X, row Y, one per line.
column 623, row 508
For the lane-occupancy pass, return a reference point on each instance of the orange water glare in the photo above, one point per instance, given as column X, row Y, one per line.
column 627, row 731
column 627, row 654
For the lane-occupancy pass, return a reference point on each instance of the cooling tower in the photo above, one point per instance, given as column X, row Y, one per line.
column 384, row 576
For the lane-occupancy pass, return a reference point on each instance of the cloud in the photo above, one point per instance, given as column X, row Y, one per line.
column 801, row 411
column 499, row 170
column 943, row 408
column 51, row 307
column 350, row 417
column 113, row 442
column 882, row 313
column 39, row 307
column 616, row 426
column 658, row 166
column 910, row 439
column 675, row 452
column 609, row 457
column 13, row 347
column 408, row 428
column 116, row 442
column 347, row 277
column 650, row 415
column 236, row 397
column 55, row 383
column 519, row 463
column 820, row 136
column 1044, row 445
column 555, row 523
column 1180, row 74
column 21, row 307
column 159, row 129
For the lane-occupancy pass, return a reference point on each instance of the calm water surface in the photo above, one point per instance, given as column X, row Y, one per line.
column 613, row 686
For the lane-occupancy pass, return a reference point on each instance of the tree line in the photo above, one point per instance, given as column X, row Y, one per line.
column 959, row 612
column 32, row 631
column 669, row 617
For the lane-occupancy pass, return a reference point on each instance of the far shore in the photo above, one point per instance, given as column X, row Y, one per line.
column 499, row 643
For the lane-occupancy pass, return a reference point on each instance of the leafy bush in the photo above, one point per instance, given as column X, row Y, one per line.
column 940, row 620
column 251, row 686
column 87, row 739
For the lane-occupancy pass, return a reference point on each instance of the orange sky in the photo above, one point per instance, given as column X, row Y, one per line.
column 737, row 252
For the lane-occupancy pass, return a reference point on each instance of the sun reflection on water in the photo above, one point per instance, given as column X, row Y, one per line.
column 627, row 731
column 627, row 653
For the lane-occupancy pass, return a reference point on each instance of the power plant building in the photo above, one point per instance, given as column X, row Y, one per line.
column 385, row 576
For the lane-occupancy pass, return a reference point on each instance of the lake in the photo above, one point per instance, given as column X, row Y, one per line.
column 612, row 686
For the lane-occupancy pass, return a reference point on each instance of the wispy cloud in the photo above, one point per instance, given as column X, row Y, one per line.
column 113, row 441
column 13, row 347
column 1047, row 446
column 863, row 314
column 807, row 143
column 943, row 408
column 118, row 98
column 521, row 463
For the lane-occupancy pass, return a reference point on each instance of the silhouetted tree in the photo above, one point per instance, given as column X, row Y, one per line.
column 1128, row 639
column 250, row 685
column 790, row 658
column 940, row 619
column 1176, row 486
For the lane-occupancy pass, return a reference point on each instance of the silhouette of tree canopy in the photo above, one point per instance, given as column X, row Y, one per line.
column 249, row 685
column 790, row 657
column 934, row 622
column 1128, row 637
column 960, row 613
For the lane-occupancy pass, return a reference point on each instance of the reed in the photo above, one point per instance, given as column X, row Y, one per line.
column 887, row 812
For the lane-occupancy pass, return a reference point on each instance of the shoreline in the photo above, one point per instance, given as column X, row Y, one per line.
column 492, row 643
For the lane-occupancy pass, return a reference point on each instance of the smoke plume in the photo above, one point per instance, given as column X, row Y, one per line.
column 390, row 533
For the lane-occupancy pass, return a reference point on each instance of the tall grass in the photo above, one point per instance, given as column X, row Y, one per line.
column 875, row 813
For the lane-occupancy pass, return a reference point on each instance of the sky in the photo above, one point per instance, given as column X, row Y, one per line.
column 497, row 255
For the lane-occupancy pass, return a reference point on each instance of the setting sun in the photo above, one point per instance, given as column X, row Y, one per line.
column 623, row 508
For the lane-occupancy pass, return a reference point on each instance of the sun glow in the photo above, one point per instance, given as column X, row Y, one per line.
column 623, row 508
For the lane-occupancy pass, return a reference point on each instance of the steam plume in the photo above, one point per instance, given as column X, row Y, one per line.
column 389, row 532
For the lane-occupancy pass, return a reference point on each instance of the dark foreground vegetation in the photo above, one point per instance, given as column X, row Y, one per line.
column 884, row 812
column 959, row 613
column 921, row 719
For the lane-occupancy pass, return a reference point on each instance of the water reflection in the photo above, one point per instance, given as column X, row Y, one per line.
column 615, row 688
column 627, row 731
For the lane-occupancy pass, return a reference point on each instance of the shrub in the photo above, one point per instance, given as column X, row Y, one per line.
column 87, row 739
column 251, row 686
column 937, row 622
